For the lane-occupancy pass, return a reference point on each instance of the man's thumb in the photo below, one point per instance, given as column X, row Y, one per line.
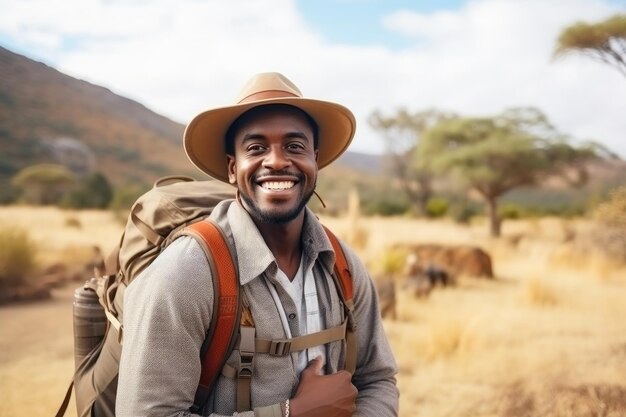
column 315, row 365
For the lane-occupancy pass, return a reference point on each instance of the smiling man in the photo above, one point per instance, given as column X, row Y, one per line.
column 269, row 145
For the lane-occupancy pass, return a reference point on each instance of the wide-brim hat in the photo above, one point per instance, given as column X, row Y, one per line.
column 205, row 135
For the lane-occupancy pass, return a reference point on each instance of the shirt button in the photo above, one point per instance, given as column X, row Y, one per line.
column 292, row 316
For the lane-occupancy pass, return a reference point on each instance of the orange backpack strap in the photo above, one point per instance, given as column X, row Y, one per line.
column 222, row 333
column 343, row 280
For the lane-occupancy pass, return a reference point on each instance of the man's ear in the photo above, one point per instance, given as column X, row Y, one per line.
column 232, row 169
column 317, row 154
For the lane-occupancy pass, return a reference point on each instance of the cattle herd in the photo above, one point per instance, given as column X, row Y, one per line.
column 429, row 266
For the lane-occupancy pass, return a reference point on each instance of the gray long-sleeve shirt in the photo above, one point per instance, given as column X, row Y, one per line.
column 167, row 311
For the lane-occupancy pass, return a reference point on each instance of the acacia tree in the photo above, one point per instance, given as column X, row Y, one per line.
column 604, row 41
column 44, row 183
column 494, row 155
column 402, row 133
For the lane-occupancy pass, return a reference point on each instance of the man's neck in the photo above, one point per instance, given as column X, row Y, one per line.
column 285, row 243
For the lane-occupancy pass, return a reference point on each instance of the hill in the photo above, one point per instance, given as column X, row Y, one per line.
column 47, row 116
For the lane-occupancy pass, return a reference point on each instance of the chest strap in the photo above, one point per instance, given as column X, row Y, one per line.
column 285, row 347
column 249, row 345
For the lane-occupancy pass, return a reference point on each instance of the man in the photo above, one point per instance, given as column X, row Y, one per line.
column 270, row 146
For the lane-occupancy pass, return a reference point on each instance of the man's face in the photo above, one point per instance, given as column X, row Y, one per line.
column 275, row 164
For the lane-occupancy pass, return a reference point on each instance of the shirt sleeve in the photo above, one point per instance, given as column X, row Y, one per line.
column 375, row 374
column 167, row 310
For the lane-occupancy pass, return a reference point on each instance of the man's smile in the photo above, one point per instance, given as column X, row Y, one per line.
column 277, row 185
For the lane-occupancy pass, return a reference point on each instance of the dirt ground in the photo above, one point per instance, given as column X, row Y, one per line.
column 36, row 355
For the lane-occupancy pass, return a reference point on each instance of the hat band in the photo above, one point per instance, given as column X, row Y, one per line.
column 264, row 95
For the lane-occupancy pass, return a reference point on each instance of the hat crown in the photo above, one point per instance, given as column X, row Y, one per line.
column 267, row 85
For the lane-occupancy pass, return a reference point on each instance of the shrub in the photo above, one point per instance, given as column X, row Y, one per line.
column 510, row 211
column 124, row 197
column 448, row 338
column 73, row 222
column 538, row 292
column 8, row 193
column 436, row 207
column 392, row 261
column 17, row 257
column 385, row 207
column 94, row 191
column 609, row 233
column 463, row 211
column 44, row 183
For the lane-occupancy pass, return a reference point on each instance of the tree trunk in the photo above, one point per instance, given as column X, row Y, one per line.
column 494, row 218
column 423, row 203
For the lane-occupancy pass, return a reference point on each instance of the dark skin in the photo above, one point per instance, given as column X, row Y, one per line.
column 274, row 167
column 275, row 170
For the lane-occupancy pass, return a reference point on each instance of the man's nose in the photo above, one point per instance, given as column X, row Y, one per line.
column 276, row 159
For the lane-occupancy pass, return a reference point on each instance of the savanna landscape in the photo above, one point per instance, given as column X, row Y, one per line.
column 544, row 337
column 542, row 334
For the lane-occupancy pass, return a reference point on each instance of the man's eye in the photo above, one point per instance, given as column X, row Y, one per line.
column 295, row 145
column 255, row 148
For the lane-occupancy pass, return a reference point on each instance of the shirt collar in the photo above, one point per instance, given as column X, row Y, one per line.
column 255, row 258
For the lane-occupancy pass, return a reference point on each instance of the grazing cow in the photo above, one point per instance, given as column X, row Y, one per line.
column 436, row 275
column 386, row 289
column 421, row 280
column 453, row 260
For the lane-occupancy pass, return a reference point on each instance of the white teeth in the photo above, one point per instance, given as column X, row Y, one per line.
column 277, row 185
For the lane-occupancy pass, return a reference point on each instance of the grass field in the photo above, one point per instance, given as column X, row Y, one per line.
column 547, row 337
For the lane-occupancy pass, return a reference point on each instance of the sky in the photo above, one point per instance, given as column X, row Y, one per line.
column 470, row 57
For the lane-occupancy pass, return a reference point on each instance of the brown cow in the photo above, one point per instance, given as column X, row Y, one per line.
column 454, row 260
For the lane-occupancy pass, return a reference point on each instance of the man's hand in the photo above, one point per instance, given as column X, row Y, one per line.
column 323, row 395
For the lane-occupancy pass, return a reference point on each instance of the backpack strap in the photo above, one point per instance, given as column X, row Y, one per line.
column 226, row 309
column 343, row 281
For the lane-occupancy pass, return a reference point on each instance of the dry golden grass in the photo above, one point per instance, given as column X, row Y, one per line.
column 545, row 338
column 64, row 235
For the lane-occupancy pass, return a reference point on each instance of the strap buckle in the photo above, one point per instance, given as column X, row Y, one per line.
column 245, row 366
column 246, row 352
column 280, row 347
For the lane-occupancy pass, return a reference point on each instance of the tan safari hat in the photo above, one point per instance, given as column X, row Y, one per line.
column 204, row 137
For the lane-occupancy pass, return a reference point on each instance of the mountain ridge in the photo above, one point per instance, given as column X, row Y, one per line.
column 42, row 110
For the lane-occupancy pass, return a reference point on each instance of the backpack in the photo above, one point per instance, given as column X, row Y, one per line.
column 178, row 206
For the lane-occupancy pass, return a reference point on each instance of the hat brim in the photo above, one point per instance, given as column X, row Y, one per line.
column 204, row 137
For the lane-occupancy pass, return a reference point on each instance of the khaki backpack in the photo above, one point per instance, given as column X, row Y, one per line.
column 178, row 206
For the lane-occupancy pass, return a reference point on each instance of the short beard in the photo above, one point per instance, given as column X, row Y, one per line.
column 274, row 218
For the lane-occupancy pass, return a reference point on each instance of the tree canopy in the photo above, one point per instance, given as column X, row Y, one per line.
column 44, row 183
column 604, row 41
column 493, row 155
column 402, row 133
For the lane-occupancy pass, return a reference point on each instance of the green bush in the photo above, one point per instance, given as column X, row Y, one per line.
column 94, row 191
column 17, row 257
column 8, row 193
column 436, row 207
column 392, row 261
column 385, row 207
column 510, row 211
column 124, row 197
column 44, row 183
column 463, row 211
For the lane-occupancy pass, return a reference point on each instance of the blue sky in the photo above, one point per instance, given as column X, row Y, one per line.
column 476, row 57
column 358, row 22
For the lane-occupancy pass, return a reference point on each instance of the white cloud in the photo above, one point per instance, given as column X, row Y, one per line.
column 179, row 57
